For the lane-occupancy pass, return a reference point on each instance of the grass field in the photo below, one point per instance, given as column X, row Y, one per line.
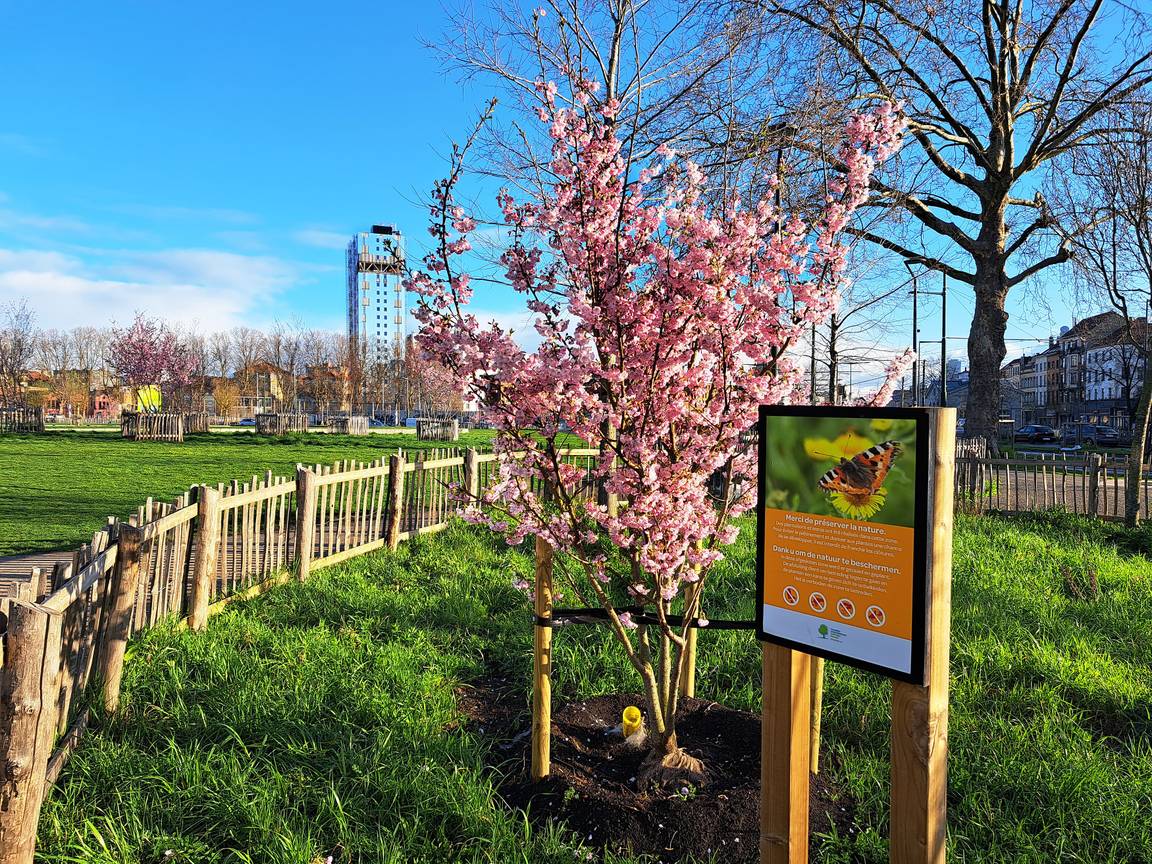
column 57, row 488
column 320, row 719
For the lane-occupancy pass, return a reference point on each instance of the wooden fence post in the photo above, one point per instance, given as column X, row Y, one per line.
column 1093, row 484
column 920, row 714
column 542, row 664
column 207, row 548
column 472, row 474
column 395, row 499
column 27, row 708
column 120, row 604
column 785, row 760
column 306, row 490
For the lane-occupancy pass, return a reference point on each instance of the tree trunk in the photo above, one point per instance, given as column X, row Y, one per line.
column 986, row 350
column 1132, row 487
column 666, row 763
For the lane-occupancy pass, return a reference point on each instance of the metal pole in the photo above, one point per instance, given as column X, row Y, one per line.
column 915, row 340
column 944, row 343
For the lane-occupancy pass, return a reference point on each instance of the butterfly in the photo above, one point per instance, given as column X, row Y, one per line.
column 855, row 485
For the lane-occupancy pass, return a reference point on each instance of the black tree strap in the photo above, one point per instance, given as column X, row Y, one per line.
column 561, row 617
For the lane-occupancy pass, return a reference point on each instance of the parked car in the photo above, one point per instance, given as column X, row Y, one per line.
column 1088, row 433
column 376, row 422
column 1036, row 434
column 247, row 421
column 1105, row 436
column 1075, row 433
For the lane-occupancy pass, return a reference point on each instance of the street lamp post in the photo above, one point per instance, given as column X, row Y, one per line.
column 915, row 333
column 943, row 295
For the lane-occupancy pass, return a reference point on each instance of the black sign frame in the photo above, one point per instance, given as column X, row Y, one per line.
column 922, row 525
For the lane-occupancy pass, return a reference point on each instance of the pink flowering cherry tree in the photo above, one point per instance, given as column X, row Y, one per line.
column 665, row 319
column 150, row 354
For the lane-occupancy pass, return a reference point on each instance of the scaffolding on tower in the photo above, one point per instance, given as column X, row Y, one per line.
column 375, row 301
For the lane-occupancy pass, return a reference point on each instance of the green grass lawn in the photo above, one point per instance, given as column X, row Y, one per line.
column 57, row 488
column 322, row 717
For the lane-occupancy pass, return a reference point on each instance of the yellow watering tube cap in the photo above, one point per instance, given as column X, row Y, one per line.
column 633, row 721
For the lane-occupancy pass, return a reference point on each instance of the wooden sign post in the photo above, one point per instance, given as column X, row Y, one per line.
column 920, row 714
column 858, row 570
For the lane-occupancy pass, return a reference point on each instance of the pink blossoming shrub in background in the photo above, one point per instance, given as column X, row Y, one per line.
column 150, row 354
column 664, row 320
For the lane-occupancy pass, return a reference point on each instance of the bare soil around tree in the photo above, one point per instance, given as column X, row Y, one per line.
column 593, row 789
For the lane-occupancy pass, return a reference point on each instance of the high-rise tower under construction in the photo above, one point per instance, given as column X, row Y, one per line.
column 376, row 296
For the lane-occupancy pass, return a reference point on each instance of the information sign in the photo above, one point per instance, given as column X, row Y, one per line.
column 844, row 501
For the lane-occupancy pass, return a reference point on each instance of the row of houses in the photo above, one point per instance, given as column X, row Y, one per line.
column 1091, row 373
column 257, row 388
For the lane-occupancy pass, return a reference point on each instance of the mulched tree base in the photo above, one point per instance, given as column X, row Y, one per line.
column 592, row 787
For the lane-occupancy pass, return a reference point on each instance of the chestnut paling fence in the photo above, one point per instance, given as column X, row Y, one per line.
column 1090, row 485
column 66, row 630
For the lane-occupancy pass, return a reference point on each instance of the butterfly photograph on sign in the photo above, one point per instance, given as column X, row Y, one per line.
column 853, row 468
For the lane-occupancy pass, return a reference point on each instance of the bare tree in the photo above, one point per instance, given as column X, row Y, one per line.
column 854, row 334
column 220, row 354
column 17, row 348
column 90, row 348
column 226, row 395
column 1109, row 193
column 54, row 351
column 285, row 351
column 684, row 71
column 995, row 91
column 248, row 348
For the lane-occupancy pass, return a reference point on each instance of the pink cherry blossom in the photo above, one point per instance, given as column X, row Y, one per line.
column 665, row 318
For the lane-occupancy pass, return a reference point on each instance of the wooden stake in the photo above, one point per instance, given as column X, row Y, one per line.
column 121, row 601
column 207, row 548
column 395, row 499
column 305, row 519
column 542, row 666
column 817, row 709
column 920, row 714
column 785, row 760
column 687, row 686
column 25, row 698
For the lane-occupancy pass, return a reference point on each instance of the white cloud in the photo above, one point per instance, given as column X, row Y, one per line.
column 12, row 220
column 203, row 288
column 174, row 213
column 321, row 238
column 15, row 142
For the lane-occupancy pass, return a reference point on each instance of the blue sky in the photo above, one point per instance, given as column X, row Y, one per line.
column 207, row 161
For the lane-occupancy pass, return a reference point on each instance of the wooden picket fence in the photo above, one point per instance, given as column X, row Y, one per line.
column 281, row 424
column 67, row 630
column 428, row 429
column 21, row 419
column 1090, row 485
column 348, row 425
column 196, row 422
column 142, row 426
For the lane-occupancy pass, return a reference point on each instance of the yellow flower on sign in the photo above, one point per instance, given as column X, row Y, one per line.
column 844, row 446
column 859, row 506
column 882, row 424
